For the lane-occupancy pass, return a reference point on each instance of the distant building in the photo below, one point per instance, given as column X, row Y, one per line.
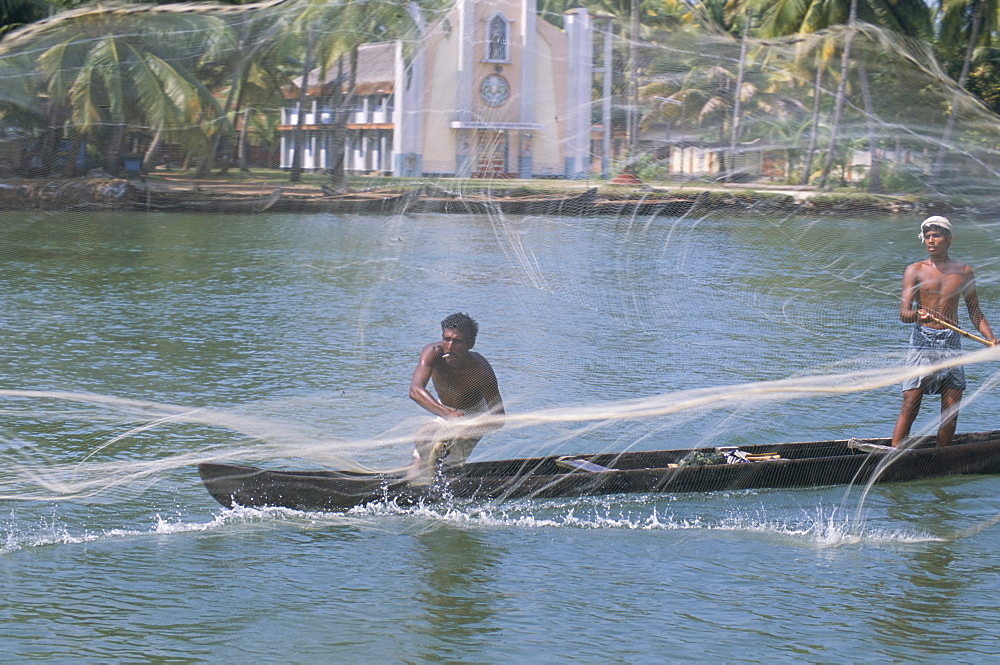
column 369, row 120
column 491, row 91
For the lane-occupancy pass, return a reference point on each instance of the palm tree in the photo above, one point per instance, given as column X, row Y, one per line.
column 299, row 135
column 321, row 35
column 738, row 97
column 839, row 98
column 15, row 13
column 634, row 22
column 791, row 17
column 364, row 21
column 251, row 49
column 260, row 93
column 103, row 71
column 978, row 19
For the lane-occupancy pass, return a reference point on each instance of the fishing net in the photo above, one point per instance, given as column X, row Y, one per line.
column 735, row 280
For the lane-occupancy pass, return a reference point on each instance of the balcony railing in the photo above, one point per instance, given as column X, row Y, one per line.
column 380, row 116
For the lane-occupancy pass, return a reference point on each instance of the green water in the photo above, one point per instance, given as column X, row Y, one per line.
column 135, row 345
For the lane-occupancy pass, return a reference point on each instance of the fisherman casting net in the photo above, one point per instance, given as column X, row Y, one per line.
column 740, row 286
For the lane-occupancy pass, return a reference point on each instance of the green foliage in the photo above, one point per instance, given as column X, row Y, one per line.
column 902, row 178
column 702, row 458
column 649, row 168
column 15, row 13
column 187, row 73
column 984, row 81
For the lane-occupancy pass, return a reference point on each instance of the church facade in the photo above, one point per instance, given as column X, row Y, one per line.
column 491, row 91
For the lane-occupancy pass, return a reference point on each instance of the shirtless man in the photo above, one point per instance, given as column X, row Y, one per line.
column 466, row 387
column 932, row 289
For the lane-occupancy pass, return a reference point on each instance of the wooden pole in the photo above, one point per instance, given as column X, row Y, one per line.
column 981, row 340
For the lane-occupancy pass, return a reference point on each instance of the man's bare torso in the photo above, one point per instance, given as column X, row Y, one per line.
column 939, row 288
column 462, row 386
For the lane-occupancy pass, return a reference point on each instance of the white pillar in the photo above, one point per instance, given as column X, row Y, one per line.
column 529, row 17
column 579, row 34
column 528, row 85
column 407, row 112
column 466, row 13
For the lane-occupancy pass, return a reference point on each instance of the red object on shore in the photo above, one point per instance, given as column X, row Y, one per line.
column 625, row 179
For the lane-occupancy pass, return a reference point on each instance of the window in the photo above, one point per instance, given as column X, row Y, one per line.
column 497, row 39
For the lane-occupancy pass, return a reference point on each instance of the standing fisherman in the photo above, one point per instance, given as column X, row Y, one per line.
column 931, row 292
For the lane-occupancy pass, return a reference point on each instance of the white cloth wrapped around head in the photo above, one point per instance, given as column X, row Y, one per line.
column 935, row 220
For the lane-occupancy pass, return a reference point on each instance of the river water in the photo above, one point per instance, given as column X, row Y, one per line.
column 137, row 344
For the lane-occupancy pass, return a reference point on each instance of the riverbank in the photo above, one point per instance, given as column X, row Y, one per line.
column 390, row 195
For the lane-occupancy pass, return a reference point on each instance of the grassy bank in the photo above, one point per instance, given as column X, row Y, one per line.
column 705, row 197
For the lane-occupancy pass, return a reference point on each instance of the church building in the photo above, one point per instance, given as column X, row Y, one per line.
column 491, row 91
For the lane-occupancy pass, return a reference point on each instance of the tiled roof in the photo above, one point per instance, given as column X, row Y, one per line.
column 376, row 70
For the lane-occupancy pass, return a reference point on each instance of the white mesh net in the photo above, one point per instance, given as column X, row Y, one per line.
column 728, row 299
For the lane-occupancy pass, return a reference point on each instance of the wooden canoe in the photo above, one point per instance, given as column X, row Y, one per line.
column 809, row 464
column 648, row 207
column 575, row 205
column 352, row 203
column 218, row 203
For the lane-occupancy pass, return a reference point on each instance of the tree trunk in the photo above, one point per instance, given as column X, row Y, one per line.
column 201, row 157
column 875, row 170
column 71, row 168
column 42, row 162
column 241, row 145
column 243, row 131
column 737, row 96
column 838, row 104
column 338, row 175
column 814, row 129
column 977, row 22
column 221, row 130
column 147, row 159
column 115, row 148
column 235, row 93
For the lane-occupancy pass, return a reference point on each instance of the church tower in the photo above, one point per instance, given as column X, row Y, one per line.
column 495, row 91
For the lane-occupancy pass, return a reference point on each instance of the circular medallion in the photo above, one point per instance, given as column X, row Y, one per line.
column 494, row 90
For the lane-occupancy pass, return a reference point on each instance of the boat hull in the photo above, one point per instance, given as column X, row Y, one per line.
column 575, row 205
column 810, row 464
column 161, row 202
column 358, row 203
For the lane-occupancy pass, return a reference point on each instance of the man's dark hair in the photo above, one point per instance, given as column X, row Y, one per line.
column 464, row 324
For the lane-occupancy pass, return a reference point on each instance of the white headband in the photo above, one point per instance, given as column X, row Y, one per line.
column 935, row 220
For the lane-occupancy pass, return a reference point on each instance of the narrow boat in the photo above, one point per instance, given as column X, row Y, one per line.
column 352, row 203
column 809, row 464
column 644, row 207
column 218, row 203
column 571, row 205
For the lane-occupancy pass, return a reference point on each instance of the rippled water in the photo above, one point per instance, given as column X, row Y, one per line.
column 137, row 344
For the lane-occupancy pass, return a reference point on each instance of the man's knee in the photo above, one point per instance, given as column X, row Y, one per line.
column 952, row 394
column 950, row 399
column 459, row 449
column 912, row 400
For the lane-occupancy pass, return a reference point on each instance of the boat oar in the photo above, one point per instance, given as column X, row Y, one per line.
column 981, row 340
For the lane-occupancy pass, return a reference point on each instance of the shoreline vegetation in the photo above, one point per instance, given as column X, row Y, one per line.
column 374, row 195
